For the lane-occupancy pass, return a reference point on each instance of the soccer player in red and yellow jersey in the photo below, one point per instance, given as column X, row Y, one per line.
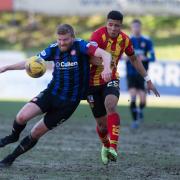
column 103, row 96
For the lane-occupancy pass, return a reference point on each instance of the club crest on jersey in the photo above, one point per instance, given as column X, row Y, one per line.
column 43, row 53
column 143, row 44
column 73, row 52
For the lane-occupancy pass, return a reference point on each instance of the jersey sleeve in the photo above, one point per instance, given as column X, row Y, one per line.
column 129, row 50
column 46, row 54
column 96, row 37
column 88, row 48
column 151, row 52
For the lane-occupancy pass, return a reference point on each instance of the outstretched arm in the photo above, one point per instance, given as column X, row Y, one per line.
column 106, row 59
column 17, row 66
column 140, row 68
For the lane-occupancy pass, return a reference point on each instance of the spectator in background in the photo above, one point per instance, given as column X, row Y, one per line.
column 144, row 51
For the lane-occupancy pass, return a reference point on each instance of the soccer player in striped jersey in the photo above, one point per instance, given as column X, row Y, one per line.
column 60, row 99
column 103, row 96
column 144, row 51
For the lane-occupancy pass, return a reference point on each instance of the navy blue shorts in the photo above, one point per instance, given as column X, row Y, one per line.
column 136, row 81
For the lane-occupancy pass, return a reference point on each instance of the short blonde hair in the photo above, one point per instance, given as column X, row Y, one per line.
column 65, row 29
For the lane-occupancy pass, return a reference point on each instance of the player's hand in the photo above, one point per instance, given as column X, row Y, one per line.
column 107, row 74
column 151, row 87
column 3, row 69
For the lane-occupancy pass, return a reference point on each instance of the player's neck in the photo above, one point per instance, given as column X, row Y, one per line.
column 113, row 38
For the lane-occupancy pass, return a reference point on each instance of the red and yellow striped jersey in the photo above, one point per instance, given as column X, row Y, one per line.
column 116, row 46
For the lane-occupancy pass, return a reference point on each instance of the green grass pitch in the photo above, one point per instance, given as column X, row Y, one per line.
column 72, row 151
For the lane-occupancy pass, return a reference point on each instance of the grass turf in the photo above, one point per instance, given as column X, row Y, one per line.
column 72, row 150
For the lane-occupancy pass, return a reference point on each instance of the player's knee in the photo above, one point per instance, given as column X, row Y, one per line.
column 39, row 130
column 110, row 106
column 36, row 132
column 21, row 118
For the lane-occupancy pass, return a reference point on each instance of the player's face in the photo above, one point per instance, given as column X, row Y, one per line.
column 113, row 27
column 136, row 29
column 65, row 41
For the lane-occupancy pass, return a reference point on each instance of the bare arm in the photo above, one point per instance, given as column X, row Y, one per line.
column 140, row 68
column 17, row 66
column 138, row 65
column 106, row 58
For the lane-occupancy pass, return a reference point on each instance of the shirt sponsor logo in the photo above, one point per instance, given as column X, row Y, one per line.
column 66, row 65
column 73, row 52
